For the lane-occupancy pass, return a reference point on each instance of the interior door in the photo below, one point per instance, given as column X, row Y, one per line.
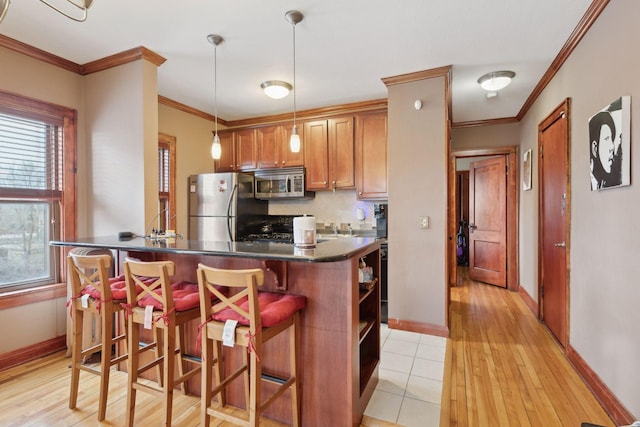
column 552, row 164
column 488, row 221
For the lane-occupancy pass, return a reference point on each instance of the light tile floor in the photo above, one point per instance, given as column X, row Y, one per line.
column 410, row 379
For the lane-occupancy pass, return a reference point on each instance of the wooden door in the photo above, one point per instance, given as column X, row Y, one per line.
column 488, row 221
column 227, row 161
column 553, row 155
column 371, row 156
column 268, row 140
column 341, row 153
column 246, row 150
column 316, row 155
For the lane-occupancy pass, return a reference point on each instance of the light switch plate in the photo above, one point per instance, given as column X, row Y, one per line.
column 424, row 222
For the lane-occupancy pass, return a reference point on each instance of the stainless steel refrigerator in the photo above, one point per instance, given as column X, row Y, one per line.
column 222, row 206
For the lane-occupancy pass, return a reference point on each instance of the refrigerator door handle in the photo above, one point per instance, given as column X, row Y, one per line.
column 233, row 193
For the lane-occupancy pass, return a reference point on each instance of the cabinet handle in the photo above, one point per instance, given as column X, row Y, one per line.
column 324, row 182
column 360, row 193
column 283, row 162
column 275, row 163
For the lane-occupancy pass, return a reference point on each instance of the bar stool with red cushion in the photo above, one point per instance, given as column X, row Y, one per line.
column 91, row 292
column 260, row 316
column 166, row 308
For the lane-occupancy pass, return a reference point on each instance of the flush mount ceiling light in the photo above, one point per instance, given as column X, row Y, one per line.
column 294, row 17
column 216, row 148
column 276, row 89
column 82, row 5
column 4, row 5
column 496, row 80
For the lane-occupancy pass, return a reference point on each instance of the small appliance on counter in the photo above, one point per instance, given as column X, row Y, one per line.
column 304, row 232
column 222, row 206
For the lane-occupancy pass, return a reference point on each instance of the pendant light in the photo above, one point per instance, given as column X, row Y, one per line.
column 216, row 148
column 4, row 6
column 294, row 17
column 82, row 5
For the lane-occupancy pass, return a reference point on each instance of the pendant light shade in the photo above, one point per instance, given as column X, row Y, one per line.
column 216, row 148
column 293, row 16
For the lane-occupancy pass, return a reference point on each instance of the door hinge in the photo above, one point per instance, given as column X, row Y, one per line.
column 542, row 291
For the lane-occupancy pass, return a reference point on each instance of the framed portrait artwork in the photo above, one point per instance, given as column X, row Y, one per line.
column 526, row 170
column 610, row 145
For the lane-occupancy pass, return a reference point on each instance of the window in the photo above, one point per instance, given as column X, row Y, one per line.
column 37, row 189
column 167, row 181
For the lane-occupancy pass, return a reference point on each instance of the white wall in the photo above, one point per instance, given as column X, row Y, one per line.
column 604, row 291
column 119, row 152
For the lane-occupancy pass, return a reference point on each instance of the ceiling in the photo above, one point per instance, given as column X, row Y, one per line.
column 343, row 47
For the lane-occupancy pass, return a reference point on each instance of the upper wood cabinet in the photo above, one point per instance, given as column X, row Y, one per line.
column 227, row 160
column 273, row 147
column 329, row 154
column 371, row 156
column 238, row 151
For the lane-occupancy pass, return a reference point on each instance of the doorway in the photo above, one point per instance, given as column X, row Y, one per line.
column 510, row 155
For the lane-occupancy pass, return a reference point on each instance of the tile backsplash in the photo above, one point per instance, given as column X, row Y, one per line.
column 337, row 207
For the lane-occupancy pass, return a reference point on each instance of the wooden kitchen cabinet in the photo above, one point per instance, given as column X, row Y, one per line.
column 329, row 154
column 246, row 150
column 238, row 151
column 273, row 147
column 227, row 160
column 371, row 156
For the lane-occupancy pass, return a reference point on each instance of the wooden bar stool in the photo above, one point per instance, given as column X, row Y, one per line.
column 155, row 303
column 260, row 316
column 91, row 292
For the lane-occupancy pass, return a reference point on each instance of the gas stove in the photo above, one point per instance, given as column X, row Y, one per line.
column 269, row 237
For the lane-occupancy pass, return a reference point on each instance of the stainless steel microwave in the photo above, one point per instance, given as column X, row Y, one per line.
column 284, row 183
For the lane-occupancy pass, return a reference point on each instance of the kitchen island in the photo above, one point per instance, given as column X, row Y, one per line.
column 339, row 337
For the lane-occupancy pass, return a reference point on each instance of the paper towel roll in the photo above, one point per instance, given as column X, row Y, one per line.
column 304, row 231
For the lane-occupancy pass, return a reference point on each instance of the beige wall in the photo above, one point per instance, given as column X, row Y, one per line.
column 485, row 136
column 604, row 291
column 26, row 76
column 417, row 187
column 193, row 152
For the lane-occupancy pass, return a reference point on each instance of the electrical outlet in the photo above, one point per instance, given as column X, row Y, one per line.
column 424, row 222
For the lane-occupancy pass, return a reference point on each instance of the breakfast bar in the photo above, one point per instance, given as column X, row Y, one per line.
column 339, row 337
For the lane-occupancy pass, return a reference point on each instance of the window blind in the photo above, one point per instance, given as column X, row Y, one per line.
column 30, row 154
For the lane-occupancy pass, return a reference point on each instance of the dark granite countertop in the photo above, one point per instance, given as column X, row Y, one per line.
column 336, row 249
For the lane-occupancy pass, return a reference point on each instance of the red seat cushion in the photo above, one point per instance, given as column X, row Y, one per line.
column 185, row 296
column 118, row 288
column 274, row 308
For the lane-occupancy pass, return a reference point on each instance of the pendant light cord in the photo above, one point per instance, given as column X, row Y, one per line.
column 215, row 85
column 294, row 75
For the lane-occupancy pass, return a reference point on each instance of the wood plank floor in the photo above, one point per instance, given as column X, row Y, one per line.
column 505, row 367
column 37, row 394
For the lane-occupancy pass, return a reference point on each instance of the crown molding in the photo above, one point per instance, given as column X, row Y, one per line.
column 121, row 58
column 419, row 75
column 39, row 54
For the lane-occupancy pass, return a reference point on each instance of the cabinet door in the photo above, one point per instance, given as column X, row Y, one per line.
column 288, row 158
column 371, row 156
column 341, row 149
column 246, row 150
column 268, row 140
column 227, row 160
column 316, row 155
